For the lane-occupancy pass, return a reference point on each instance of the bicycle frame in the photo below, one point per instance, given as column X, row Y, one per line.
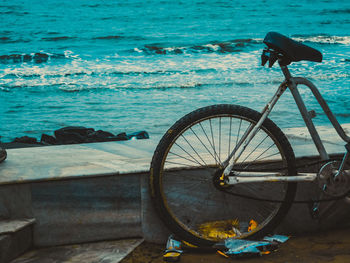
column 291, row 83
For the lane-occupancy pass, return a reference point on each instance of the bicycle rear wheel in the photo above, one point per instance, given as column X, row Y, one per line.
column 184, row 171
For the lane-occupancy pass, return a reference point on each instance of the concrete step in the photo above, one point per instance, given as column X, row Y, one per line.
column 15, row 238
column 106, row 251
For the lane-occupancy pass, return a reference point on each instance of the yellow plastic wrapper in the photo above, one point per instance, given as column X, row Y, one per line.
column 252, row 225
column 220, row 229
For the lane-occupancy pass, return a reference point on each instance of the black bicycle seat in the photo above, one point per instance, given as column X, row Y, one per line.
column 294, row 51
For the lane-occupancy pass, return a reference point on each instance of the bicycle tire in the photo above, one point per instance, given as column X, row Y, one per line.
column 181, row 212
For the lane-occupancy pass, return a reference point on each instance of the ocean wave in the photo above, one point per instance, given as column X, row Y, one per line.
column 6, row 40
column 7, row 37
column 91, row 5
column 232, row 46
column 336, row 11
column 88, row 88
column 60, row 38
column 323, row 39
column 4, row 89
column 13, row 13
column 44, row 74
column 345, row 115
column 91, row 85
column 37, row 87
column 109, row 37
column 118, row 37
column 38, row 57
column 106, row 72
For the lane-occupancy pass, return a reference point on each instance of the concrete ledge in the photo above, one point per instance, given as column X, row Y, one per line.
column 37, row 164
column 302, row 143
column 99, row 191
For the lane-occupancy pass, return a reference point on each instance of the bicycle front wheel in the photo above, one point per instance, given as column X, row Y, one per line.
column 184, row 176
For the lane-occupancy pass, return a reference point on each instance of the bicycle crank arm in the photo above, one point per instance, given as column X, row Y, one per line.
column 269, row 177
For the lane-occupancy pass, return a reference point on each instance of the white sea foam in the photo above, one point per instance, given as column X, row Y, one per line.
column 160, row 72
column 344, row 40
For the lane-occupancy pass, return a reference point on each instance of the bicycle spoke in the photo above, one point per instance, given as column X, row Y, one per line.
column 220, row 140
column 268, row 156
column 181, row 164
column 212, row 137
column 202, row 143
column 189, row 154
column 216, row 161
column 229, row 138
column 194, row 150
column 253, row 151
column 257, row 158
column 238, row 133
column 195, row 179
column 183, row 157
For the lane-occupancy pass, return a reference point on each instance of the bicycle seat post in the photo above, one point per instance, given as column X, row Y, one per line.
column 285, row 70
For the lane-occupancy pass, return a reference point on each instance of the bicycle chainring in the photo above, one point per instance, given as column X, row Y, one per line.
column 331, row 183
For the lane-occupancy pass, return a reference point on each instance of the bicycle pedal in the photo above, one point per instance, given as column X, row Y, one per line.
column 315, row 211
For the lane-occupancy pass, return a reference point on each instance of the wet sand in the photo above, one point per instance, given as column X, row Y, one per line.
column 330, row 246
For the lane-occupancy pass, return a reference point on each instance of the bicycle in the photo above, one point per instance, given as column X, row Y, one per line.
column 228, row 171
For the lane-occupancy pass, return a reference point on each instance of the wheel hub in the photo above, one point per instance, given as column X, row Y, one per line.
column 220, row 179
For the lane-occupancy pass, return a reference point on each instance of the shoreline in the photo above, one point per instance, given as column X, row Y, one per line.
column 72, row 135
column 16, row 145
column 327, row 132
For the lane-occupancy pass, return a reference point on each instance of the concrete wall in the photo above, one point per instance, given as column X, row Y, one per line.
column 153, row 228
column 15, row 201
column 85, row 210
column 112, row 207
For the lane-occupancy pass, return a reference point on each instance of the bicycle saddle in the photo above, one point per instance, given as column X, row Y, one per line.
column 292, row 50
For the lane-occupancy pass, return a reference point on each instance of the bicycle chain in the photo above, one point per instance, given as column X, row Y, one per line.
column 294, row 201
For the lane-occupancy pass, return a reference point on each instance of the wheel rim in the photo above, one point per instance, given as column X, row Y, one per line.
column 191, row 198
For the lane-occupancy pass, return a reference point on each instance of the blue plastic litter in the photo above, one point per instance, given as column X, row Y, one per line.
column 173, row 250
column 244, row 248
column 276, row 238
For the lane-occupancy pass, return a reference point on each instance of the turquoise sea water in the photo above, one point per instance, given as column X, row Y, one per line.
column 140, row 65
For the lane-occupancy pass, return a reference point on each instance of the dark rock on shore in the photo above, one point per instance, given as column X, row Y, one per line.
column 47, row 139
column 78, row 134
column 74, row 135
column 26, row 139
